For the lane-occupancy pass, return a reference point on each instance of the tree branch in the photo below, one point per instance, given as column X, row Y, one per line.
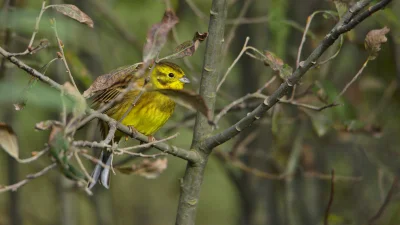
column 348, row 22
column 191, row 182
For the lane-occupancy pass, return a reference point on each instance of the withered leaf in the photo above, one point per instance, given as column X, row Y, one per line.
column 188, row 99
column 188, row 48
column 74, row 12
column 8, row 140
column 341, row 7
column 107, row 80
column 277, row 65
column 157, row 35
column 373, row 41
column 149, row 169
column 47, row 124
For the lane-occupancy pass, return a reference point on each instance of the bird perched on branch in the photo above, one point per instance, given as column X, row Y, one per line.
column 144, row 108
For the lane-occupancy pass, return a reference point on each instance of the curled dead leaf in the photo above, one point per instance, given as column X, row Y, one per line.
column 277, row 65
column 8, row 140
column 47, row 124
column 149, row 169
column 74, row 12
column 374, row 40
column 157, row 36
column 187, row 48
column 189, row 100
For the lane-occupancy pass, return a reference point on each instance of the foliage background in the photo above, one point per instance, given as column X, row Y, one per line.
column 229, row 195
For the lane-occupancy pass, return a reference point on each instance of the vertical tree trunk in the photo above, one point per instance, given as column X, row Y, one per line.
column 193, row 178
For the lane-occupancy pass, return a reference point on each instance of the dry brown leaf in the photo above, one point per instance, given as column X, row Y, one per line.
column 277, row 65
column 47, row 124
column 75, row 13
column 8, row 140
column 149, row 169
column 157, row 36
column 374, row 40
column 107, row 80
column 188, row 48
column 188, row 99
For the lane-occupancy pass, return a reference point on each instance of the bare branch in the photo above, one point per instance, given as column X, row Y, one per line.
column 34, row 157
column 28, row 178
column 61, row 48
column 385, row 203
column 28, row 49
column 331, row 195
column 233, row 64
column 342, row 27
column 196, row 10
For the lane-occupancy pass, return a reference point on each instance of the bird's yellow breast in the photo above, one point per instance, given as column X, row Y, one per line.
column 150, row 113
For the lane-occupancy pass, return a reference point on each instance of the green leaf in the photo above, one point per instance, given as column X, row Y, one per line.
column 73, row 12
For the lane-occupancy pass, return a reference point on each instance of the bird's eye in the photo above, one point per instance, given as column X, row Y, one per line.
column 171, row 75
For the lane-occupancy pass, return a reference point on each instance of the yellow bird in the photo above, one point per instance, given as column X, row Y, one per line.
column 149, row 114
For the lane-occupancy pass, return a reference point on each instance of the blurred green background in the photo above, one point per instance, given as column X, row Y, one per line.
column 313, row 143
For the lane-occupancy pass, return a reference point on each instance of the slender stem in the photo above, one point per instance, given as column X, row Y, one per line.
column 331, row 195
column 193, row 178
column 61, row 48
column 28, row 49
column 233, row 64
column 354, row 78
column 28, row 178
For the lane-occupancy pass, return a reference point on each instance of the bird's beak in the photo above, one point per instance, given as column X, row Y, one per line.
column 184, row 79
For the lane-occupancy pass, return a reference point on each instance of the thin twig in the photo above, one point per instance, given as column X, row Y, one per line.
column 232, row 31
column 331, row 195
column 35, row 157
column 78, row 159
column 385, row 203
column 196, row 10
column 153, row 156
column 242, row 99
column 234, row 63
column 61, row 48
column 303, row 40
column 28, row 178
column 150, row 143
column 90, row 144
column 35, row 31
column 354, row 79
